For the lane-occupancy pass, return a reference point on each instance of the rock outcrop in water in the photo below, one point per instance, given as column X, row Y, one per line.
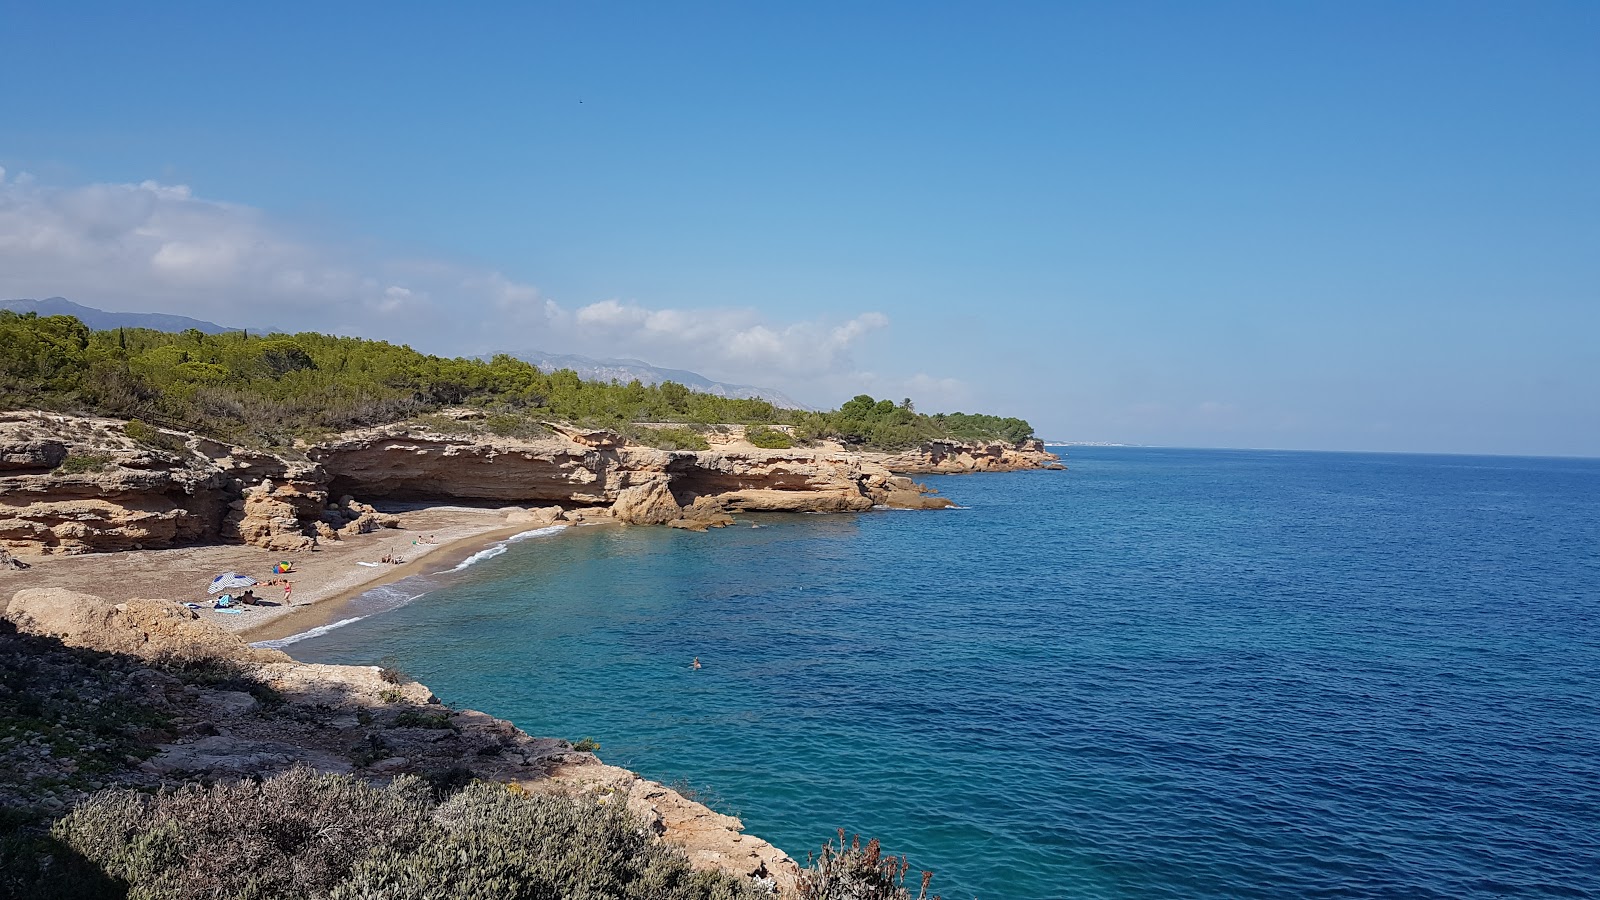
column 255, row 712
column 71, row 484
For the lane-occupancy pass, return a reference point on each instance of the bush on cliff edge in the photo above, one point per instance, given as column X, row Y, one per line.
column 302, row 834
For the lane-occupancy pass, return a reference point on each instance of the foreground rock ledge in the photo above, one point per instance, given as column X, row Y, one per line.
column 76, row 484
column 352, row 719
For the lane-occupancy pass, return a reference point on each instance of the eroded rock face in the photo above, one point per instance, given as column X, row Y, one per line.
column 641, row 485
column 74, row 484
column 958, row 458
column 133, row 497
column 77, row 484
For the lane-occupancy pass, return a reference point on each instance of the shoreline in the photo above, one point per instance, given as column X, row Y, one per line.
column 325, row 610
column 323, row 580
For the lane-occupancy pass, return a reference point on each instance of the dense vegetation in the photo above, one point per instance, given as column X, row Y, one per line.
column 308, row 835
column 271, row 389
column 303, row 834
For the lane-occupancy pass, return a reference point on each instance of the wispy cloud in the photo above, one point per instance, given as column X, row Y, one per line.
column 160, row 247
column 736, row 338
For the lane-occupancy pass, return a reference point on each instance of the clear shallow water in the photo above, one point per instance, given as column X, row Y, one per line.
column 1165, row 673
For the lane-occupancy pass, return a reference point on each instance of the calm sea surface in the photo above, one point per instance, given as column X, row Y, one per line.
column 1162, row 674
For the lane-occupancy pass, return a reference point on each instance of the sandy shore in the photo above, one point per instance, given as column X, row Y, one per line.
column 332, row 572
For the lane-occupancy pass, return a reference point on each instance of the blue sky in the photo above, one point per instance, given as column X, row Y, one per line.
column 1331, row 226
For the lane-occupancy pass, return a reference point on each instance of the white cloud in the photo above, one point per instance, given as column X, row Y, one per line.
column 728, row 338
column 161, row 248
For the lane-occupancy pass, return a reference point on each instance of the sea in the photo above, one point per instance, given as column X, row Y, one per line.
column 1159, row 674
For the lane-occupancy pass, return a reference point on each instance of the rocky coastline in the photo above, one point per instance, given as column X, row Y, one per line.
column 79, row 484
column 79, row 490
column 213, row 708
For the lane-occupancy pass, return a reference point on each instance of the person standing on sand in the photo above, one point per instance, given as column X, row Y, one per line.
column 287, row 587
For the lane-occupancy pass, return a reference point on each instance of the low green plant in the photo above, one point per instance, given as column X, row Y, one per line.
column 302, row 834
column 672, row 439
column 416, row 718
column 391, row 695
column 768, row 438
column 587, row 745
column 84, row 463
column 515, row 426
column 154, row 438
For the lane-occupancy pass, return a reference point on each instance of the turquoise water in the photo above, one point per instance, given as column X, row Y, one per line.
column 1164, row 673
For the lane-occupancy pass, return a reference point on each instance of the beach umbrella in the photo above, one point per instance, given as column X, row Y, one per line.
column 227, row 581
column 282, row 568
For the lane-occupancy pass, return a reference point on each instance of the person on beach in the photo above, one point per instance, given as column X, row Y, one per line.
column 287, row 587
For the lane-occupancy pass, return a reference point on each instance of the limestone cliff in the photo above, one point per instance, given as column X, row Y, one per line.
column 79, row 484
column 75, row 484
column 962, row 457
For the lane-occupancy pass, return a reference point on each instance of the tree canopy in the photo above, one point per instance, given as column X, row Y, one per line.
column 269, row 389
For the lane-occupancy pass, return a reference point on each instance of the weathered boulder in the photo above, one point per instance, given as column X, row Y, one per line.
column 153, row 629
column 647, row 504
column 269, row 516
column 31, row 457
column 536, row 515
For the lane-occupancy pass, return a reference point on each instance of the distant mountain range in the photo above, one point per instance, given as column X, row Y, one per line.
column 100, row 320
column 623, row 370
column 626, row 370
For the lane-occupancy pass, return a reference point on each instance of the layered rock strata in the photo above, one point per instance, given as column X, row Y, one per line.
column 959, row 458
column 77, row 484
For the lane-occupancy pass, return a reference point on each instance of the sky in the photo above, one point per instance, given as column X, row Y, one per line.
column 1339, row 226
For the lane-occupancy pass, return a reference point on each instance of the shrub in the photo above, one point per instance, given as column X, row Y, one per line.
column 391, row 695
column 514, row 426
column 416, row 718
column 854, row 872
column 79, row 464
column 497, row 843
column 587, row 745
column 307, row 835
column 154, row 438
column 673, row 439
column 768, row 438
column 295, row 835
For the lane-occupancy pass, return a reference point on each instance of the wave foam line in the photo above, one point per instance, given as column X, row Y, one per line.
column 318, row 631
column 537, row 532
column 499, row 547
column 480, row 556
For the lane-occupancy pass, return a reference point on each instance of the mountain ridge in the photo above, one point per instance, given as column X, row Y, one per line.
column 100, row 319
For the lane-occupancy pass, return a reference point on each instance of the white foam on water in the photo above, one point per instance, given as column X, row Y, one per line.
column 480, row 556
column 537, row 532
column 500, row 546
column 280, row 643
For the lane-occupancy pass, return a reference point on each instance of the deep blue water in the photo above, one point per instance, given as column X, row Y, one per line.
column 1163, row 673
